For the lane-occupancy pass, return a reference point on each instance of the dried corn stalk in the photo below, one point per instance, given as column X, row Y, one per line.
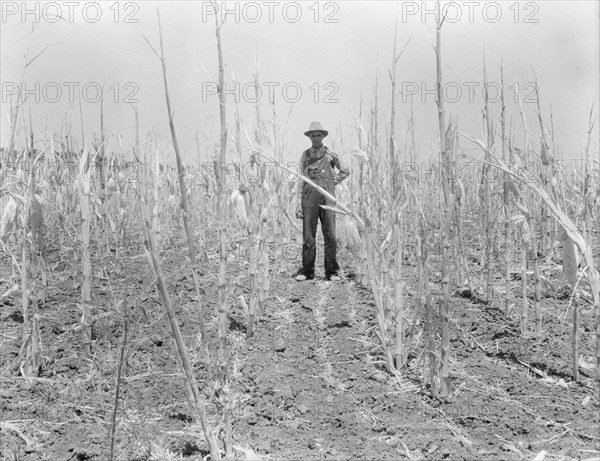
column 570, row 259
column 83, row 186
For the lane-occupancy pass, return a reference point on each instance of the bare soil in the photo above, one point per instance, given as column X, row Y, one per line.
column 309, row 385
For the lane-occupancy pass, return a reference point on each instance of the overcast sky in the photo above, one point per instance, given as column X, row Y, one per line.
column 316, row 58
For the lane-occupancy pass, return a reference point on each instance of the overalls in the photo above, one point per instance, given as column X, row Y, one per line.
column 320, row 171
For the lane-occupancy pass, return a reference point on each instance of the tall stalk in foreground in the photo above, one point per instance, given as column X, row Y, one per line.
column 83, row 183
column 152, row 253
column 395, row 183
column 189, row 231
column 487, row 228
column 525, row 226
column 222, row 226
column 507, row 249
column 448, row 206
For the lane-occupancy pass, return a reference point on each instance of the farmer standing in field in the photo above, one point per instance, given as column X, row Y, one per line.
column 318, row 164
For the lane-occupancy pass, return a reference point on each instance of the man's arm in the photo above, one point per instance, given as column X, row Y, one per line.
column 343, row 170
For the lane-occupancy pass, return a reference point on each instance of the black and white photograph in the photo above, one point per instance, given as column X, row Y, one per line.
column 299, row 230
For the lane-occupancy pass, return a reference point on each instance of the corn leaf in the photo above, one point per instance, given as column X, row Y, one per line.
column 9, row 219
column 570, row 260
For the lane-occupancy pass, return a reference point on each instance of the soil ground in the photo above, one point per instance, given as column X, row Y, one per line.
column 310, row 384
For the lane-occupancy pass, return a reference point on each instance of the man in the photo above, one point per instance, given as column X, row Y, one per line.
column 319, row 164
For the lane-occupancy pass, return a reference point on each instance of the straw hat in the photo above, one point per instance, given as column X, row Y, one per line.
column 316, row 126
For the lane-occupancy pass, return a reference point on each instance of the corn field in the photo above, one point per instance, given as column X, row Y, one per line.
column 148, row 310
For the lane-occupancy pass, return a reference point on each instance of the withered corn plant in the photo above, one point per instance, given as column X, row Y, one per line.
column 23, row 218
column 31, row 224
column 525, row 219
column 507, row 158
column 546, row 163
column 487, row 206
column 446, row 219
column 222, row 355
column 258, row 257
column 186, row 215
column 432, row 352
column 573, row 233
column 422, row 285
column 195, row 400
column 397, row 187
column 32, row 238
column 378, row 195
column 83, row 187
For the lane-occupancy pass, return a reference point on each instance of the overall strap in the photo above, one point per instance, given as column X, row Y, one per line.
column 310, row 161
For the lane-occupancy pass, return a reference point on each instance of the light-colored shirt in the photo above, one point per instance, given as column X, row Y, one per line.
column 316, row 153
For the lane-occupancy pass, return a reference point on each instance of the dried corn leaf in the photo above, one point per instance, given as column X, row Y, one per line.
column 353, row 237
column 518, row 218
column 9, row 218
column 111, row 187
column 113, row 227
column 591, row 369
column 244, row 305
column 246, row 196
column 249, row 454
column 60, row 203
column 239, row 205
column 570, row 261
column 459, row 191
column 37, row 214
column 594, row 279
column 84, row 177
column 523, row 209
column 545, row 154
column 359, row 154
column 387, row 240
column 334, row 209
column 525, row 232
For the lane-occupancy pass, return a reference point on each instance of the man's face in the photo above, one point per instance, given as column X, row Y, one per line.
column 316, row 138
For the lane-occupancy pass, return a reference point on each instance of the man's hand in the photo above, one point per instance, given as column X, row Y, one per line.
column 299, row 211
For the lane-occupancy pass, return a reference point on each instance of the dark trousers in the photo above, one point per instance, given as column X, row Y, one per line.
column 312, row 214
